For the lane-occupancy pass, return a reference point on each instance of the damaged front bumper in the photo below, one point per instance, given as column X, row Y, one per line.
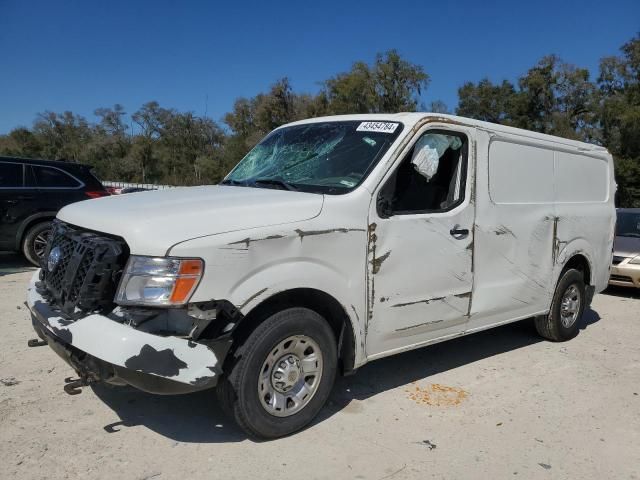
column 101, row 348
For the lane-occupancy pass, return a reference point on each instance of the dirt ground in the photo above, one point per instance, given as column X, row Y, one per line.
column 499, row 404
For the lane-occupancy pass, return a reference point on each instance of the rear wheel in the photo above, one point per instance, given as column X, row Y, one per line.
column 282, row 374
column 569, row 301
column 34, row 242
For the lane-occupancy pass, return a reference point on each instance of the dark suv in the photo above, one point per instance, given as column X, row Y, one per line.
column 31, row 193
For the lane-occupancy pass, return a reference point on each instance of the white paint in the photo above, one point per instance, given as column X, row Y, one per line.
column 580, row 178
column 259, row 242
column 520, row 173
column 152, row 222
column 422, row 290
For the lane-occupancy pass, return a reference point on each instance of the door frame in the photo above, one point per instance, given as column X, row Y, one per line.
column 374, row 217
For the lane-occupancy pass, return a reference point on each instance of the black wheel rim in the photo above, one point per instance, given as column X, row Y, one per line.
column 40, row 243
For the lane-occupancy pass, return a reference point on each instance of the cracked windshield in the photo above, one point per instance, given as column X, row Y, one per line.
column 327, row 157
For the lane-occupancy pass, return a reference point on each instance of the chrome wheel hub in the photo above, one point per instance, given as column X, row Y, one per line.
column 290, row 376
column 570, row 306
column 286, row 373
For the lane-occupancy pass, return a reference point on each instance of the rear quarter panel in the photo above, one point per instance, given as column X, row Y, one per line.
column 585, row 212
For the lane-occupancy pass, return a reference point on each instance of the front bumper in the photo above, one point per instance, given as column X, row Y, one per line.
column 625, row 274
column 103, row 349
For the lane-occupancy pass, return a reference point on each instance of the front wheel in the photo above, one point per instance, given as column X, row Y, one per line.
column 282, row 375
column 568, row 303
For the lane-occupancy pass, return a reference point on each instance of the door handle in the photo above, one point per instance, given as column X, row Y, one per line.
column 459, row 233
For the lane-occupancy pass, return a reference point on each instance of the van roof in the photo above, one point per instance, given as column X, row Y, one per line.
column 410, row 119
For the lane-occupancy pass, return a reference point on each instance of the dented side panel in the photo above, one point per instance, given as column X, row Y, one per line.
column 514, row 230
column 526, row 231
column 420, row 276
column 585, row 213
column 327, row 253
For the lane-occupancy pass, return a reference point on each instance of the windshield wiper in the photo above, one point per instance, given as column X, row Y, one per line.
column 229, row 181
column 276, row 182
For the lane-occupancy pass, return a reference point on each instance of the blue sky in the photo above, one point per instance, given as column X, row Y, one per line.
column 80, row 55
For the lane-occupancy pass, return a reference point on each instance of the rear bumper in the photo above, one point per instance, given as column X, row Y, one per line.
column 625, row 275
column 102, row 349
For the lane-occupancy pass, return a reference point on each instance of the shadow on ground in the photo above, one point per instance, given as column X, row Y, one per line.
column 625, row 292
column 11, row 262
column 198, row 418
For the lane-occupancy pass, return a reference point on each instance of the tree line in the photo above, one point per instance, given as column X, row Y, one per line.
column 163, row 145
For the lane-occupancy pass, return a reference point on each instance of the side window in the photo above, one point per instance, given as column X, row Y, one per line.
column 430, row 179
column 47, row 177
column 11, row 175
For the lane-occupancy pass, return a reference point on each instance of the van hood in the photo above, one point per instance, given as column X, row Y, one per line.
column 152, row 222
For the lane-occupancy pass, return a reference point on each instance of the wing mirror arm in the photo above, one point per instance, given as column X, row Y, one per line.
column 383, row 205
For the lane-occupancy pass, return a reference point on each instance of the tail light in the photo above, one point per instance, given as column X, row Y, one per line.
column 96, row 193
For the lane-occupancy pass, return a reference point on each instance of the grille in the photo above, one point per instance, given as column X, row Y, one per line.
column 85, row 276
column 617, row 259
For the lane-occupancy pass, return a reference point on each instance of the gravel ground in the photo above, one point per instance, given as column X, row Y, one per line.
column 499, row 404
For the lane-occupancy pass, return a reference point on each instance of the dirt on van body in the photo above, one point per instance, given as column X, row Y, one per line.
column 500, row 404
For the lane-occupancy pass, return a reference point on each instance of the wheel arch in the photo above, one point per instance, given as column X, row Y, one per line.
column 580, row 262
column 320, row 302
column 29, row 222
column 577, row 253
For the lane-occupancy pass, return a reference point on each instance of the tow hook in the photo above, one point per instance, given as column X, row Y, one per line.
column 36, row 342
column 73, row 385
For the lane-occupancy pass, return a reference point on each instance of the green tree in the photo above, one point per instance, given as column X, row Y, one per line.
column 487, row 101
column 149, row 119
column 21, row 142
column 390, row 85
column 63, row 135
column 109, row 145
column 556, row 98
column 168, row 146
column 552, row 97
column 619, row 85
column 251, row 119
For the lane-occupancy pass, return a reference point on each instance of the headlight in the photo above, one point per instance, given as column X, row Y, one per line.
column 635, row 261
column 159, row 281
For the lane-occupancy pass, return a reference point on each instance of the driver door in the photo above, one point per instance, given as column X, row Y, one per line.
column 421, row 245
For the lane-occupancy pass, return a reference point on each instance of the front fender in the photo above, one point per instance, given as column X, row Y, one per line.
column 289, row 274
column 246, row 268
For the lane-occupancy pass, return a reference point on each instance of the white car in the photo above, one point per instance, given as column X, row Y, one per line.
column 334, row 242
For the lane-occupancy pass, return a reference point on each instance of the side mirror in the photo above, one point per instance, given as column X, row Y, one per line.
column 383, row 205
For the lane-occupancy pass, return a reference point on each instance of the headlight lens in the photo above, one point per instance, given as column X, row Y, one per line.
column 635, row 261
column 159, row 281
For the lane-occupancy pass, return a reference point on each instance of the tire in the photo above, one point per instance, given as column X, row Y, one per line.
column 32, row 241
column 245, row 392
column 558, row 326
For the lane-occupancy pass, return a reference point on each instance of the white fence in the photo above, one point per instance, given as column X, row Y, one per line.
column 147, row 186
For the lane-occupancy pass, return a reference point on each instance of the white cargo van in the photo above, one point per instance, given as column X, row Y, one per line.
column 334, row 242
